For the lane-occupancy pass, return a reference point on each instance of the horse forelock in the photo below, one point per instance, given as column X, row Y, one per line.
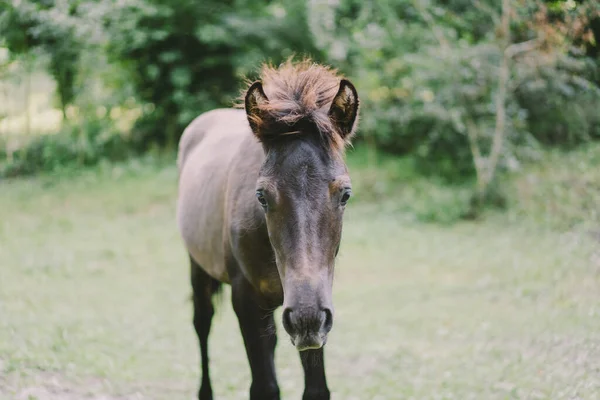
column 299, row 96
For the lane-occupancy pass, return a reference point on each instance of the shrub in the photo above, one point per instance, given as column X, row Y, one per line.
column 73, row 147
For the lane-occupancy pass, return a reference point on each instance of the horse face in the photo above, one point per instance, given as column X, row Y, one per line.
column 303, row 191
column 303, row 120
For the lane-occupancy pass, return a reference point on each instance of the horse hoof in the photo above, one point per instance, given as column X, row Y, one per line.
column 205, row 394
column 317, row 395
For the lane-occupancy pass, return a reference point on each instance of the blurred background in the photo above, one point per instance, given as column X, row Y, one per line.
column 470, row 266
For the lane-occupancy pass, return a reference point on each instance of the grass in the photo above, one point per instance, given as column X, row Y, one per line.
column 94, row 299
column 561, row 191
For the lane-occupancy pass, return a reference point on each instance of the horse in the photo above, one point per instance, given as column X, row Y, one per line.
column 261, row 196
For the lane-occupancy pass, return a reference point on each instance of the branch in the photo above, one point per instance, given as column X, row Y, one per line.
column 522, row 47
column 478, row 160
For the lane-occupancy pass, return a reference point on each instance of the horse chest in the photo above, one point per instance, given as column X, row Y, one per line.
column 265, row 279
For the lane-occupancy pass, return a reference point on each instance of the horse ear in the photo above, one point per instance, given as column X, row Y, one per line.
column 253, row 102
column 344, row 109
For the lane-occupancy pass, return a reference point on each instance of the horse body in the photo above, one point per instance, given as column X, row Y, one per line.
column 214, row 142
column 281, row 249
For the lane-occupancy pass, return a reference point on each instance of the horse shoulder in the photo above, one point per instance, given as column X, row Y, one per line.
column 206, row 151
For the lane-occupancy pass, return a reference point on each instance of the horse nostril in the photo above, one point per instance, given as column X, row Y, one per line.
column 287, row 320
column 327, row 320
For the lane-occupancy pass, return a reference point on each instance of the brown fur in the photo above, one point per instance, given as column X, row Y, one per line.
column 266, row 215
column 298, row 95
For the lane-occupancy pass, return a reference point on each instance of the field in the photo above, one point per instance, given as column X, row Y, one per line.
column 94, row 301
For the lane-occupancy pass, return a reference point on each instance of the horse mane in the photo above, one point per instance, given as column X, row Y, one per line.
column 299, row 96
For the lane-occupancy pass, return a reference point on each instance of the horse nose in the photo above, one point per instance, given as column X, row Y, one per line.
column 308, row 329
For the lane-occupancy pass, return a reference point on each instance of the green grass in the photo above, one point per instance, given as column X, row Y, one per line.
column 94, row 299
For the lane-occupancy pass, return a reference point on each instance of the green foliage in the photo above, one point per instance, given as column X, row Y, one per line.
column 562, row 102
column 394, row 184
column 414, row 89
column 77, row 145
column 49, row 26
column 427, row 71
column 187, row 57
column 560, row 191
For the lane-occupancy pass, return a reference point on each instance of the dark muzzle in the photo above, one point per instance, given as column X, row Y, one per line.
column 307, row 326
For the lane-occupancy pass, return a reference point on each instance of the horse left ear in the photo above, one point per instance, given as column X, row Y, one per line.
column 344, row 109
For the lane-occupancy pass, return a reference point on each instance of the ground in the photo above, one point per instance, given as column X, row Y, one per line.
column 95, row 301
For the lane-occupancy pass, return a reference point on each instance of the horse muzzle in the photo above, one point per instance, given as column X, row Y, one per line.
column 308, row 327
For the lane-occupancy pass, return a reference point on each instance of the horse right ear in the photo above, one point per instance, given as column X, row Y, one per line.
column 254, row 102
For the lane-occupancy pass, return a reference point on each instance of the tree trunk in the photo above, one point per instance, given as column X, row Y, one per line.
column 28, row 69
column 500, row 131
column 485, row 168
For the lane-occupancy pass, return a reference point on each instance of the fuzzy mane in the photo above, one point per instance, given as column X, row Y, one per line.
column 300, row 95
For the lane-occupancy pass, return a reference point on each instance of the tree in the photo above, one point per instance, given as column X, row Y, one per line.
column 186, row 57
column 49, row 26
column 465, row 86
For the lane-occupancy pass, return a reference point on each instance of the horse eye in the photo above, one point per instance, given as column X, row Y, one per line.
column 345, row 197
column 261, row 198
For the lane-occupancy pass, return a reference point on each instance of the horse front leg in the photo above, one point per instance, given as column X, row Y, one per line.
column 204, row 287
column 258, row 330
column 315, row 383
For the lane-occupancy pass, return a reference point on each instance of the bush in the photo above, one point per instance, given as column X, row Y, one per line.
column 73, row 147
column 562, row 103
column 561, row 191
column 429, row 73
column 394, row 184
column 187, row 57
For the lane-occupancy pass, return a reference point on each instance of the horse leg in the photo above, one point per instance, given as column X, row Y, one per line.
column 258, row 330
column 203, row 289
column 315, row 384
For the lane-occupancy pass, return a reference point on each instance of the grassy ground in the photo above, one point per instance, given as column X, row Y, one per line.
column 94, row 301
